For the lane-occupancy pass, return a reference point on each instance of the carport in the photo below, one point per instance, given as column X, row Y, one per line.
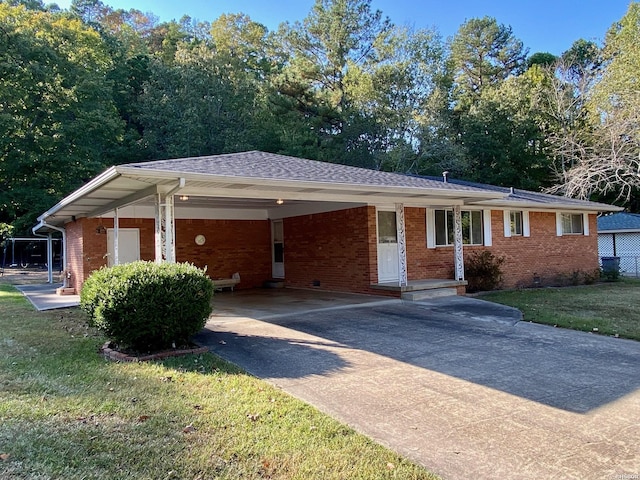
column 327, row 217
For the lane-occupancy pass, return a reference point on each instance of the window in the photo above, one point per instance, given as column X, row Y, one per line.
column 472, row 227
column 515, row 221
column 572, row 223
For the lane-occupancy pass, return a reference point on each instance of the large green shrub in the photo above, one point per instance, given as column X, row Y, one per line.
column 483, row 271
column 147, row 306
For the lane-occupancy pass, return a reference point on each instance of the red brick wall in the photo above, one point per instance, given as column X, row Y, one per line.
column 338, row 249
column 242, row 246
column 543, row 254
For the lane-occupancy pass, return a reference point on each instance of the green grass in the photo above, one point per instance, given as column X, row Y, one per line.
column 611, row 308
column 66, row 413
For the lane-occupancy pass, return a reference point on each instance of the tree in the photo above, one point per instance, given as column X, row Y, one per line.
column 58, row 123
column 484, row 53
column 331, row 53
column 608, row 160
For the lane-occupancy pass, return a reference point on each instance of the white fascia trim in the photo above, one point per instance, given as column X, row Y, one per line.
column 135, row 172
column 105, row 177
column 591, row 207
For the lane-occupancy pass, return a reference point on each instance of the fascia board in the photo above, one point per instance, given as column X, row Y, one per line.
column 136, row 172
column 591, row 207
column 99, row 181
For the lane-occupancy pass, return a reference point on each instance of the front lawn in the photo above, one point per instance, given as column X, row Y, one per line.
column 606, row 308
column 67, row 413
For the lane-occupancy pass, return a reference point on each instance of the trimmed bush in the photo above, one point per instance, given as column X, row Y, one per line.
column 146, row 306
column 483, row 271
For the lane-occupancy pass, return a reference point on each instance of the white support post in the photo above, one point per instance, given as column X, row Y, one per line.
column 116, row 241
column 159, row 230
column 402, row 245
column 457, row 243
column 49, row 259
column 169, row 231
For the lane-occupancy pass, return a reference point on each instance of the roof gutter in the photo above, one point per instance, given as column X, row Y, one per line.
column 44, row 224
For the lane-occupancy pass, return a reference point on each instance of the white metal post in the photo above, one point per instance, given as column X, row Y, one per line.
column 402, row 245
column 457, row 243
column 49, row 259
column 116, row 234
column 169, row 230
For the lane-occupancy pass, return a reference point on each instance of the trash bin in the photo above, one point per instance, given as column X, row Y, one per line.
column 611, row 265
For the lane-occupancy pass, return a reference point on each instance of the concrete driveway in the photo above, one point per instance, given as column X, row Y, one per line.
column 458, row 385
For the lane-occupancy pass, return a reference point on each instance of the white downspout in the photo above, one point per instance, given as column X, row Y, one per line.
column 63, row 251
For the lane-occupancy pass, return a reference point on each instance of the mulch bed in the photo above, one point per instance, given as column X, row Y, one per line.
column 110, row 352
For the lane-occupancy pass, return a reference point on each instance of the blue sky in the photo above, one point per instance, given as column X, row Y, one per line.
column 543, row 25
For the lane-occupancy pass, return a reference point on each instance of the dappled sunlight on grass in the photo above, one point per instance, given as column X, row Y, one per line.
column 65, row 412
column 606, row 308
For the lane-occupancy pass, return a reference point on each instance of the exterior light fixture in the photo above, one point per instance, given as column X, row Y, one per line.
column 280, row 201
column 184, row 198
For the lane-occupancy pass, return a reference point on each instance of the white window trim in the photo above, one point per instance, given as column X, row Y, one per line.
column 585, row 224
column 526, row 226
column 487, row 238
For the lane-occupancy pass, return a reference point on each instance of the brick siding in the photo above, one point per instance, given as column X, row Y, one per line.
column 331, row 251
column 242, row 246
column 338, row 250
column 544, row 255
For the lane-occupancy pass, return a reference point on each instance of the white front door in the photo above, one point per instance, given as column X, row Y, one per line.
column 128, row 246
column 277, row 249
column 387, row 247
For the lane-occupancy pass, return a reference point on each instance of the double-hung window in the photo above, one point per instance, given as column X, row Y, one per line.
column 516, row 223
column 572, row 223
column 472, row 227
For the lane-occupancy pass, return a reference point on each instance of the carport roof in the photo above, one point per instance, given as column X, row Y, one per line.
column 258, row 176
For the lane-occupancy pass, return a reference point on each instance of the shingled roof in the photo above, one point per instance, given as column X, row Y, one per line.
column 515, row 196
column 271, row 166
column 627, row 222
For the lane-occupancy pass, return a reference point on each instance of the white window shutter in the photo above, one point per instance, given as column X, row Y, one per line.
column 507, row 223
column 486, row 219
column 526, row 226
column 431, row 228
column 585, row 223
column 559, row 224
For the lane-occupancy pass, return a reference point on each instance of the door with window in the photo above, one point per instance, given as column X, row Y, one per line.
column 128, row 245
column 277, row 248
column 387, row 247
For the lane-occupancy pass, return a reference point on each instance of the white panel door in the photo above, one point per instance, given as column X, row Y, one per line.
column 277, row 249
column 387, row 247
column 128, row 245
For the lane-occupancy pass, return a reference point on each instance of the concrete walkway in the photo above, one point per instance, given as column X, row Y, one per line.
column 44, row 297
column 456, row 384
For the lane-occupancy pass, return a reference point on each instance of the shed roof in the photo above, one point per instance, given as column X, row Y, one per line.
column 619, row 222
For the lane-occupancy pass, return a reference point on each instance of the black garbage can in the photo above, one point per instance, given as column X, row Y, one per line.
column 611, row 265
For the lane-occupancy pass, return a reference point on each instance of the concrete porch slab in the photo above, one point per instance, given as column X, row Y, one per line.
column 414, row 285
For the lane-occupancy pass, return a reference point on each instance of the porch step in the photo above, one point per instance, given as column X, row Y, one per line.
column 273, row 283
column 416, row 295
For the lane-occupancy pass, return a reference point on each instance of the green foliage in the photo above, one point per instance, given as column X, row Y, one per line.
column 147, row 306
column 483, row 271
column 484, row 53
